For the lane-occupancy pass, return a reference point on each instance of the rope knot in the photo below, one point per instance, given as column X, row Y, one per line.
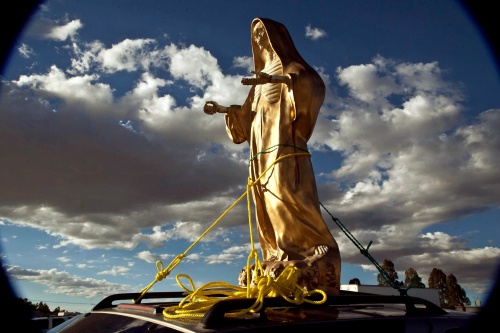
column 299, row 297
column 162, row 273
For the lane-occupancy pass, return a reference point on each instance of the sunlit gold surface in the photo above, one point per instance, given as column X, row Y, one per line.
column 277, row 119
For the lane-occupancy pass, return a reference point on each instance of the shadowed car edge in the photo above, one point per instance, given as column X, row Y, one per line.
column 352, row 311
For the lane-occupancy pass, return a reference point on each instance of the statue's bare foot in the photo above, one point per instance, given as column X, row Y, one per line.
column 320, row 250
column 316, row 253
column 272, row 258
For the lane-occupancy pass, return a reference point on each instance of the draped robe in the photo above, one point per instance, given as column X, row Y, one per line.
column 276, row 120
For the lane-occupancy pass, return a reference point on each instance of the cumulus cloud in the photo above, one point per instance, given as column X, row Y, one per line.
column 64, row 259
column 86, row 57
column 193, row 64
column 63, row 283
column 128, row 55
column 81, row 100
column 409, row 161
column 224, row 258
column 151, row 257
column 66, row 31
column 73, row 90
column 115, row 271
column 243, row 62
column 45, row 28
column 102, row 170
column 409, row 157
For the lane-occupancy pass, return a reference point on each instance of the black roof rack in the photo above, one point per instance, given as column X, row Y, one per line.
column 215, row 315
column 108, row 301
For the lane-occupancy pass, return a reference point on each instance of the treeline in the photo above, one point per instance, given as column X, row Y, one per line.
column 36, row 310
column 451, row 294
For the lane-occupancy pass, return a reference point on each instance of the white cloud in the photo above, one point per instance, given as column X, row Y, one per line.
column 467, row 264
column 61, row 33
column 85, row 59
column 245, row 249
column 115, row 271
column 223, row 258
column 367, row 84
column 128, row 55
column 315, row 33
column 243, row 62
column 147, row 256
column 408, row 159
column 77, row 89
column 154, row 240
column 482, row 143
column 193, row 64
column 45, row 28
column 26, row 51
column 60, row 282
column 64, row 259
column 441, row 251
column 153, row 109
column 194, row 256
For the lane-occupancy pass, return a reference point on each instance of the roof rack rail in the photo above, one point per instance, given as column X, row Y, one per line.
column 108, row 301
column 215, row 315
column 167, row 296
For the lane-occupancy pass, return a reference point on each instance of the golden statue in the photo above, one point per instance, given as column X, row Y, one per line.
column 277, row 119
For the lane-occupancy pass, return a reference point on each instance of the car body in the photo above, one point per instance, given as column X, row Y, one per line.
column 43, row 324
column 347, row 312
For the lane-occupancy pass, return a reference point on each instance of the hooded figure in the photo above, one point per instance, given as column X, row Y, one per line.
column 277, row 119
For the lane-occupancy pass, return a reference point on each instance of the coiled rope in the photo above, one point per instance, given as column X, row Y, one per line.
column 259, row 285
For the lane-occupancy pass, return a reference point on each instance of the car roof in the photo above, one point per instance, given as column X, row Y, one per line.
column 349, row 310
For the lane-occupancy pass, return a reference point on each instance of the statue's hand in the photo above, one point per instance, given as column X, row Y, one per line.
column 262, row 78
column 210, row 107
column 252, row 81
column 261, row 74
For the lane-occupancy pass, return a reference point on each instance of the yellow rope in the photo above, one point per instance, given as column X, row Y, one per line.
column 163, row 273
column 200, row 300
column 259, row 286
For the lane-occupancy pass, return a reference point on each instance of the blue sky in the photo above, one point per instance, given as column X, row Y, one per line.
column 109, row 163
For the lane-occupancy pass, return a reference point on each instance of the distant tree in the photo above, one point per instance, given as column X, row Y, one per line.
column 412, row 279
column 43, row 309
column 456, row 294
column 437, row 280
column 25, row 306
column 388, row 266
column 355, row 281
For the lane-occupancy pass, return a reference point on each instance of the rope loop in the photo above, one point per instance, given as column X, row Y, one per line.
column 161, row 272
column 259, row 284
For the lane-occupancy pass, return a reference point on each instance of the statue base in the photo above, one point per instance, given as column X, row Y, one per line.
column 322, row 273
